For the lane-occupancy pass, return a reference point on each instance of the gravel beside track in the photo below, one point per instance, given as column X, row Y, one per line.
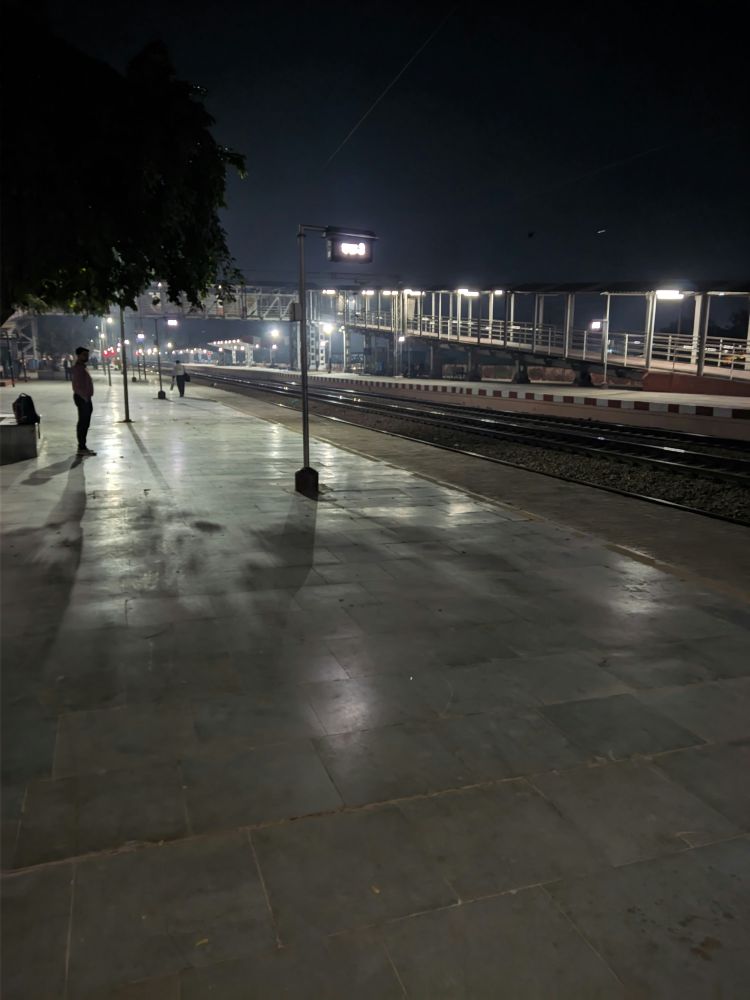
column 702, row 493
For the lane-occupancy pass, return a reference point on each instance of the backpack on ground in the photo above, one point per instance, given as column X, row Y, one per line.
column 25, row 411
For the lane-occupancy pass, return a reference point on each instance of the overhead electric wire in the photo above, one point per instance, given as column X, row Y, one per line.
column 393, row 82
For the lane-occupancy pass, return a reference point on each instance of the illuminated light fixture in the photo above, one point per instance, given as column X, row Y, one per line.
column 368, row 291
column 389, row 292
column 669, row 294
column 329, row 291
column 353, row 249
column 346, row 245
column 465, row 291
column 274, row 333
column 499, row 291
column 172, row 322
column 596, row 324
column 412, row 291
column 401, row 340
column 327, row 327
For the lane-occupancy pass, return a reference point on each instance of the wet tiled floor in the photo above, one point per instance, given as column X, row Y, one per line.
column 403, row 741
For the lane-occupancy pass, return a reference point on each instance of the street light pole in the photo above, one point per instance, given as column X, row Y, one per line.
column 10, row 360
column 123, row 355
column 160, row 394
column 306, row 478
column 141, row 339
column 343, row 246
column 133, row 364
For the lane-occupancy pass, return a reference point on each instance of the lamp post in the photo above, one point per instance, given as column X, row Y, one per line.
column 343, row 245
column 603, row 325
column 10, row 359
column 124, row 358
column 141, row 338
column 108, row 322
column 160, row 394
column 132, row 362
column 104, row 352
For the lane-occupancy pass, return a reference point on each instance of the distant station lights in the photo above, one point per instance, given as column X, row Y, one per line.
column 669, row 294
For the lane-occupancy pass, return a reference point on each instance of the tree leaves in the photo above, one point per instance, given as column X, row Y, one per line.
column 111, row 181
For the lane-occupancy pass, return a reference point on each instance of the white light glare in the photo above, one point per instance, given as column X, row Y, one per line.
column 401, row 340
column 669, row 294
column 172, row 322
column 368, row 291
column 354, row 249
column 329, row 291
column 596, row 325
column 499, row 291
column 327, row 327
column 389, row 292
column 412, row 291
column 465, row 291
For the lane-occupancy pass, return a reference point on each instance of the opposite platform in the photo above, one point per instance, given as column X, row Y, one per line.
column 400, row 742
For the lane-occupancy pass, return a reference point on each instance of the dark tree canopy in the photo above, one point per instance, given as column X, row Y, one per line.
column 110, row 181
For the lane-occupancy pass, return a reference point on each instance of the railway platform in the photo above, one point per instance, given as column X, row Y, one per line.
column 448, row 731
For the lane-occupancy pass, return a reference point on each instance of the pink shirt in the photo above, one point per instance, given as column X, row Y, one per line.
column 82, row 384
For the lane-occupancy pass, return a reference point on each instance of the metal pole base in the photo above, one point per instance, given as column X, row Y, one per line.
column 161, row 394
column 134, row 379
column 306, row 482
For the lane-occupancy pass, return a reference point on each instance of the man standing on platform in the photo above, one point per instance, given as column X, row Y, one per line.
column 83, row 391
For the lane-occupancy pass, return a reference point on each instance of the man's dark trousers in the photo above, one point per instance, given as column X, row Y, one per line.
column 85, row 409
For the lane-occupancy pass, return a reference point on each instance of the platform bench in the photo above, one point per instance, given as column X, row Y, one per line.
column 17, row 441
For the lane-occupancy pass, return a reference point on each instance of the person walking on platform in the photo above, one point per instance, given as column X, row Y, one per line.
column 66, row 368
column 179, row 376
column 83, row 391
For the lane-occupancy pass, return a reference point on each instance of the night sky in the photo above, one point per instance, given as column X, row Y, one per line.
column 499, row 155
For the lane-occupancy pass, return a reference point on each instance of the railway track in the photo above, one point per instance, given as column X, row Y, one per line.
column 660, row 451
